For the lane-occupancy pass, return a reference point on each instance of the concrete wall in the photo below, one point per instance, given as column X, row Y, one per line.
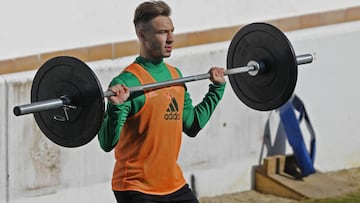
column 329, row 89
column 223, row 154
column 54, row 25
column 3, row 142
column 36, row 166
column 104, row 31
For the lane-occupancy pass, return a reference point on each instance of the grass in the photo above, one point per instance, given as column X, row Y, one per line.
column 348, row 198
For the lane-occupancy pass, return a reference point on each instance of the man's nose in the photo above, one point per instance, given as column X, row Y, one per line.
column 170, row 37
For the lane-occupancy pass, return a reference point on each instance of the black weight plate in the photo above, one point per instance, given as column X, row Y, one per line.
column 68, row 76
column 272, row 88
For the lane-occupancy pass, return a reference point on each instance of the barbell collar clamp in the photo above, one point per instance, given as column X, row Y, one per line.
column 258, row 67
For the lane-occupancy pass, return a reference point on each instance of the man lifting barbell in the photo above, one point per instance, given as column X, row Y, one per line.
column 146, row 111
column 145, row 129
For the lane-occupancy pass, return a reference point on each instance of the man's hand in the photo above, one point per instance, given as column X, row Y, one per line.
column 217, row 75
column 122, row 94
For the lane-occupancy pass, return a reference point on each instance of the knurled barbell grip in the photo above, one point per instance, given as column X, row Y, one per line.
column 156, row 85
column 251, row 67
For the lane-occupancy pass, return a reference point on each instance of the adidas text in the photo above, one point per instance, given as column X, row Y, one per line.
column 172, row 116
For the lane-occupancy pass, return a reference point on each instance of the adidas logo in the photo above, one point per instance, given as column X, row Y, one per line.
column 172, row 112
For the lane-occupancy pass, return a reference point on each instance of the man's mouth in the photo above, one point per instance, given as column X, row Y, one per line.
column 168, row 48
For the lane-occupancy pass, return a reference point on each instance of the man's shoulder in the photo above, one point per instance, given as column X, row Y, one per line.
column 126, row 78
column 174, row 67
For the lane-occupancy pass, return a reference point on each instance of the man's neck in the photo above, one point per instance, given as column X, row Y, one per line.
column 152, row 59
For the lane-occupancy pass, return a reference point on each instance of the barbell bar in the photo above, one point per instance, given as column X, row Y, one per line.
column 253, row 68
column 67, row 99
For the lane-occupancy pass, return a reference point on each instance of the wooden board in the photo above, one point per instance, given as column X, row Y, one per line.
column 277, row 182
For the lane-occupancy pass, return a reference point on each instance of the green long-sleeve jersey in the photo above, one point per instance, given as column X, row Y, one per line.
column 194, row 117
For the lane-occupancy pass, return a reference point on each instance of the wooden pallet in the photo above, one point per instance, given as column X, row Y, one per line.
column 280, row 176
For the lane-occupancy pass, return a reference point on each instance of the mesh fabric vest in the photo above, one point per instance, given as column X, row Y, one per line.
column 147, row 152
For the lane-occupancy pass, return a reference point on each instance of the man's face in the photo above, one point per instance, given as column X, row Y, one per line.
column 158, row 38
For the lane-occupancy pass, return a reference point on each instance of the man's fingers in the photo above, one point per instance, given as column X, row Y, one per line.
column 119, row 89
column 217, row 75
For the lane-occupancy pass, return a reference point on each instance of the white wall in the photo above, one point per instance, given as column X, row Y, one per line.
column 40, row 26
column 3, row 147
column 36, row 165
column 329, row 89
column 223, row 154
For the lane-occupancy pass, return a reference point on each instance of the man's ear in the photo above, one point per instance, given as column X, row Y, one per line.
column 141, row 35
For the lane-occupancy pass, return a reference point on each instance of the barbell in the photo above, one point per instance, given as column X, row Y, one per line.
column 67, row 99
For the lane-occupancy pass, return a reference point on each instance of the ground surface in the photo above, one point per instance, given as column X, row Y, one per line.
column 350, row 177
